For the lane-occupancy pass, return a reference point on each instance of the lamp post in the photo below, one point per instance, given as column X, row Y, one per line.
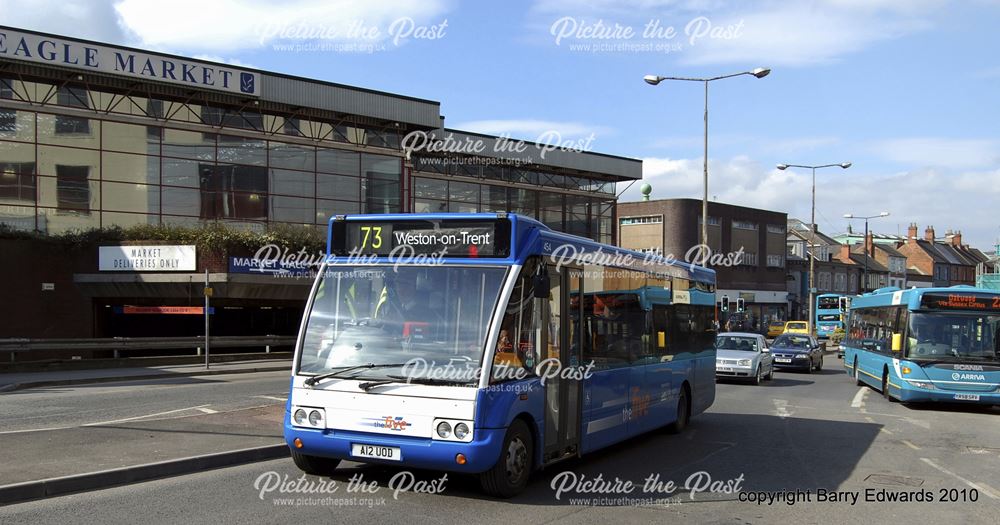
column 812, row 230
column 864, row 279
column 653, row 80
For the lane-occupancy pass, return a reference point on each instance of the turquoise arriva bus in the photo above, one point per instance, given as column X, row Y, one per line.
column 445, row 357
column 926, row 344
column 831, row 310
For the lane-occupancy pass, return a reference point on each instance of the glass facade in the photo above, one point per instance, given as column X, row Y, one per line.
column 60, row 172
column 582, row 215
column 84, row 156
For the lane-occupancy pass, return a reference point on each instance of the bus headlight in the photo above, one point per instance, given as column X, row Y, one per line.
column 299, row 417
column 444, row 430
column 315, row 418
column 461, row 430
column 923, row 384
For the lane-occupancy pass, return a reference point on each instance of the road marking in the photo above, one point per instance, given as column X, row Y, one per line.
column 869, row 419
column 101, row 423
column 207, row 410
column 781, row 408
column 859, row 398
column 984, row 489
column 911, row 445
column 882, row 429
column 273, row 397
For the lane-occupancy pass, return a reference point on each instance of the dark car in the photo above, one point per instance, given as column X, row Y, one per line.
column 797, row 351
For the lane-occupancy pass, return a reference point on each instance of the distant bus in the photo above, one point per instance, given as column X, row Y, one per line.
column 443, row 361
column 830, row 313
column 926, row 344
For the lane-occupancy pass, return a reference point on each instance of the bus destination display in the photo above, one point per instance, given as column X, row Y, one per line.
column 961, row 301
column 423, row 237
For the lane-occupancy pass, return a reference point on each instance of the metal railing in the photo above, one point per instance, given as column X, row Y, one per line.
column 120, row 344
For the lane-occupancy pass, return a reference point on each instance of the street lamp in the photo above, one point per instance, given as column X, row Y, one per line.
column 653, row 80
column 812, row 229
column 864, row 279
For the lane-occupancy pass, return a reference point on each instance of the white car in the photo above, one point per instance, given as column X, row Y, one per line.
column 743, row 355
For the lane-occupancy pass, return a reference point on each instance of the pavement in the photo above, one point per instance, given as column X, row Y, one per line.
column 67, row 438
column 20, row 380
column 796, row 434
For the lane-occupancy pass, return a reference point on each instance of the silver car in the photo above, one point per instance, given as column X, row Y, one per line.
column 743, row 355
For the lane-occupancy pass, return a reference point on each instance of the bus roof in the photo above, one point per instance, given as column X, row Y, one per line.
column 914, row 298
column 527, row 237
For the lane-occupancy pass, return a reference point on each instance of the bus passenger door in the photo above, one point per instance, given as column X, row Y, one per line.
column 562, row 387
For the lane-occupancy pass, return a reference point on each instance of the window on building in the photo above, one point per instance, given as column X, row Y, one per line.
column 292, row 127
column 6, row 88
column 712, row 221
column 646, row 219
column 17, row 182
column 775, row 261
column 73, row 188
column 776, row 228
column 840, row 282
column 233, row 192
column 745, row 225
column 749, row 259
column 854, row 283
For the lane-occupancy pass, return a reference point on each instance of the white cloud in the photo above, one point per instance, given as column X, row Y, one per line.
column 932, row 151
column 230, row 25
column 756, row 143
column 768, row 32
column 531, row 129
column 926, row 196
column 192, row 26
column 93, row 20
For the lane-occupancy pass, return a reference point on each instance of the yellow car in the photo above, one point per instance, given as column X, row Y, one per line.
column 796, row 327
column 775, row 328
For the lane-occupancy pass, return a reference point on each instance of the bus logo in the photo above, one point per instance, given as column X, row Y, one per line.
column 975, row 377
column 392, row 423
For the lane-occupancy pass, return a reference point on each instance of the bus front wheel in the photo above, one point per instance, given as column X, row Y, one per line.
column 315, row 465
column 857, row 373
column 885, row 387
column 510, row 474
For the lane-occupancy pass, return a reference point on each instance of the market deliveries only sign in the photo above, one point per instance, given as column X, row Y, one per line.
column 146, row 259
column 55, row 51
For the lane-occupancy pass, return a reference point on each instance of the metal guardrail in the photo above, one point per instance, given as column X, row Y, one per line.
column 118, row 344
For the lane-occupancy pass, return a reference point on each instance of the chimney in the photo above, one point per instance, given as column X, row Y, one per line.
column 911, row 233
column 929, row 234
column 870, row 244
column 845, row 253
column 956, row 239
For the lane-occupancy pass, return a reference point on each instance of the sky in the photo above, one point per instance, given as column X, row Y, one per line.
column 906, row 90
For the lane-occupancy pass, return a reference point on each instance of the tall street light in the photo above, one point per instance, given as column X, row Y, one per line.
column 864, row 280
column 812, row 229
column 653, row 80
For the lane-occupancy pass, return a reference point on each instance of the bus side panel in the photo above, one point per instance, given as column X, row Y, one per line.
column 498, row 405
column 703, row 395
column 604, row 410
column 657, row 404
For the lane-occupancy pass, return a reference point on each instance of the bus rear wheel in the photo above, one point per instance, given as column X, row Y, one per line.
column 509, row 476
column 315, row 465
column 683, row 413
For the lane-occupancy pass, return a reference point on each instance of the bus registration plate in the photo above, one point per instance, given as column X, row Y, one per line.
column 967, row 397
column 376, row 452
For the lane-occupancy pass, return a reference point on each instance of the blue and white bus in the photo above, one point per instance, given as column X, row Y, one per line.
column 830, row 313
column 926, row 344
column 489, row 344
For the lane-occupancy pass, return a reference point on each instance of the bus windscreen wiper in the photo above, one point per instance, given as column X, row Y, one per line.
column 430, row 380
column 346, row 369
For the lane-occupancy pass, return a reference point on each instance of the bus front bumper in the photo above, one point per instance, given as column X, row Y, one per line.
column 917, row 394
column 432, row 454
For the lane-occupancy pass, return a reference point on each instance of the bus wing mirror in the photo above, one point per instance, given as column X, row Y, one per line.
column 897, row 343
column 540, row 285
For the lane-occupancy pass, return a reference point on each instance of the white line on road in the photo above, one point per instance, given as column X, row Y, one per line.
column 207, row 410
column 909, row 444
column 882, row 429
column 781, row 408
column 272, row 397
column 980, row 488
column 101, row 423
column 859, row 398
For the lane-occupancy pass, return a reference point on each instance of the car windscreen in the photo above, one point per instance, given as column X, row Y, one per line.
column 736, row 342
column 791, row 341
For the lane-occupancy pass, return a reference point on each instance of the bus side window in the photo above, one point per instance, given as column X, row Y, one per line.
column 661, row 343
